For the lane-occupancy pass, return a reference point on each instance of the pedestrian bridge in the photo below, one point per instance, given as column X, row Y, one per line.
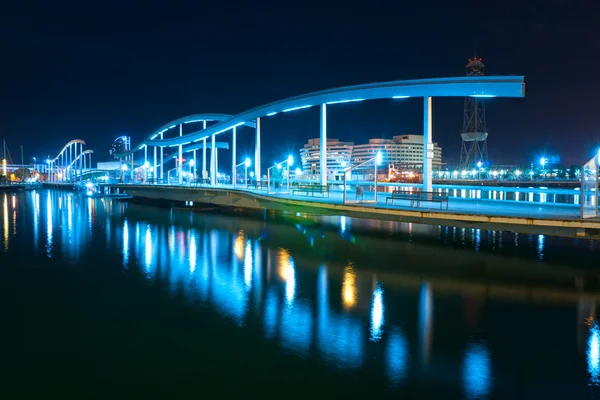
column 220, row 124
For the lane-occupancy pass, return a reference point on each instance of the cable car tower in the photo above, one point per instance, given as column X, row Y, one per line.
column 474, row 132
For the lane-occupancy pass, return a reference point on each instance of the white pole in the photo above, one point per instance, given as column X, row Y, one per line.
column 203, row 159
column 246, row 175
column 180, row 159
column 427, row 145
column 155, row 172
column 375, row 185
column 323, row 144
column 195, row 168
column 213, row 161
column 233, row 155
column 257, row 152
column 162, row 167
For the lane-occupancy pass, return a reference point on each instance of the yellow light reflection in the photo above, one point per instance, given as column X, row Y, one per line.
column 238, row 246
column 5, row 219
column 284, row 264
column 288, row 274
column 349, row 292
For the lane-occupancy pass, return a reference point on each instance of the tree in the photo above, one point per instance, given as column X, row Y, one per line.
column 22, row 174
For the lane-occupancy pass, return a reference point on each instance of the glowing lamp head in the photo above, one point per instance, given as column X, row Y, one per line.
column 479, row 164
column 89, row 185
column 146, row 164
column 279, row 166
column 517, row 172
column 124, row 167
column 290, row 160
column 247, row 162
column 298, row 171
column 251, row 174
column 192, row 163
column 543, row 161
column 379, row 158
column 344, row 164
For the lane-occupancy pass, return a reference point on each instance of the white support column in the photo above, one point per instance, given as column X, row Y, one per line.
column 257, row 152
column 427, row 145
column 203, row 158
column 233, row 154
column 323, row 144
column 132, row 177
column 195, row 176
column 180, row 158
column 213, row 161
column 162, row 167
column 203, row 152
column 155, row 172
column 145, row 153
column 70, row 160
column 81, row 163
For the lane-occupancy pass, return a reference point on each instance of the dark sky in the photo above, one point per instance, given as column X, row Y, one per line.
column 94, row 70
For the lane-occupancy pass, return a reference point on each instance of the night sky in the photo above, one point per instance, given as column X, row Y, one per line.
column 95, row 70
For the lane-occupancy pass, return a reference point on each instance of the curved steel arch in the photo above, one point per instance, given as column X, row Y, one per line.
column 84, row 153
column 66, row 147
column 484, row 86
column 183, row 120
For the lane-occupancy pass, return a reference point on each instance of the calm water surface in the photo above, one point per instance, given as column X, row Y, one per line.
column 97, row 293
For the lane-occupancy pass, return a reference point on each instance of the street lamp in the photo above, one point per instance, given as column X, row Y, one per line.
column 543, row 164
column 246, row 163
column 290, row 162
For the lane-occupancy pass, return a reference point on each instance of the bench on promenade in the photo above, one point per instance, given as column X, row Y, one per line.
column 419, row 197
column 312, row 189
column 258, row 185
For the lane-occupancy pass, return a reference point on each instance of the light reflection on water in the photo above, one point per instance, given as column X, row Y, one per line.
column 593, row 354
column 5, row 227
column 347, row 312
column 477, row 371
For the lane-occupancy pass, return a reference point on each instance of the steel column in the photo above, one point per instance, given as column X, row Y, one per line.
column 257, row 152
column 323, row 144
column 427, row 145
column 233, row 154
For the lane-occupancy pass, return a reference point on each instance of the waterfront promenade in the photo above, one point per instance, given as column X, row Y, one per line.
column 550, row 218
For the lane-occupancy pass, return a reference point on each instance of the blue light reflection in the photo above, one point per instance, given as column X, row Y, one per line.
column 477, row 371
column 593, row 355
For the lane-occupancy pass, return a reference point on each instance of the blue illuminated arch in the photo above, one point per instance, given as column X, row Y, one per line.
column 479, row 86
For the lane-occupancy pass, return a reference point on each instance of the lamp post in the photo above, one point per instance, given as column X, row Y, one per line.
column 543, row 164
column 290, row 162
column 246, row 163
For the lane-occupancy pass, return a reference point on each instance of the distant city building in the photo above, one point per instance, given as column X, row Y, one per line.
column 402, row 151
column 339, row 157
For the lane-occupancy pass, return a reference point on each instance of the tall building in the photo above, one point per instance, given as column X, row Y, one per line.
column 339, row 157
column 403, row 151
